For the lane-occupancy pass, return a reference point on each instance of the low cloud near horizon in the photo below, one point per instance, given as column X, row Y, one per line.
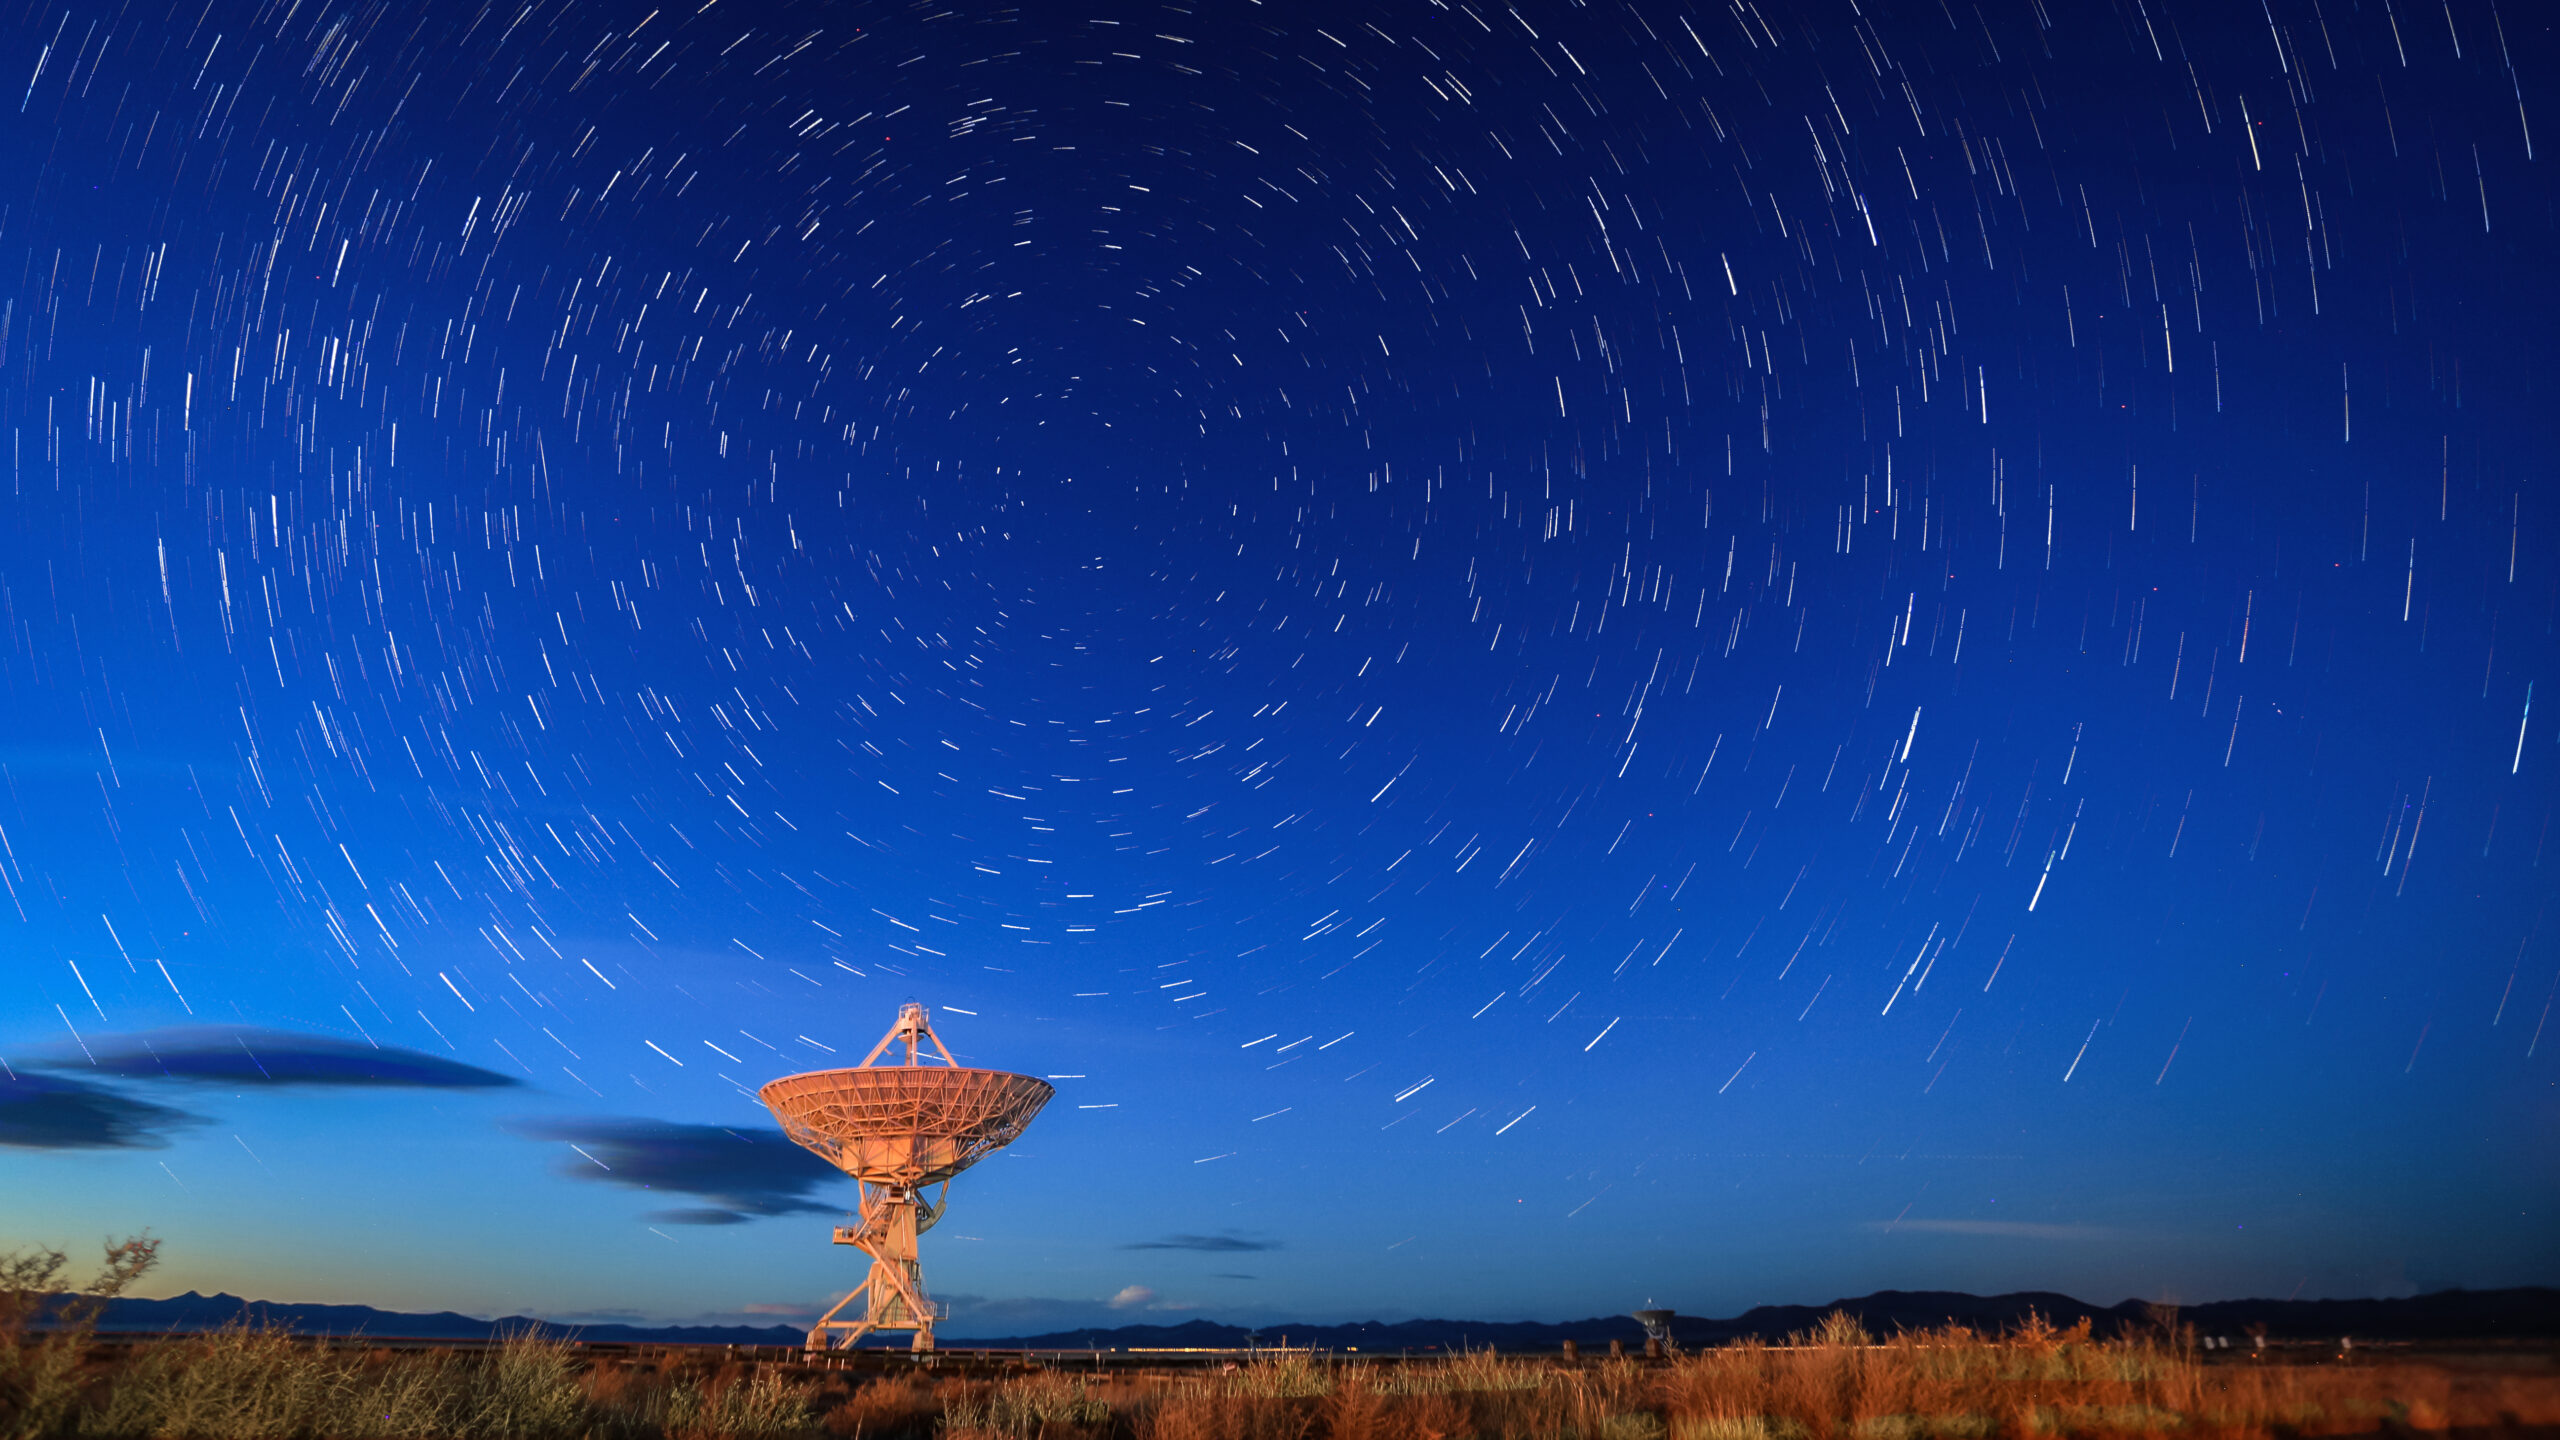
column 986, row 1316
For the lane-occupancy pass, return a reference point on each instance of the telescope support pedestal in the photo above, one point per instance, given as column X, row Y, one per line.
column 893, row 1293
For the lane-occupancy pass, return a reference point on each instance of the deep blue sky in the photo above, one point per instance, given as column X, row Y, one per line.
column 1560, row 655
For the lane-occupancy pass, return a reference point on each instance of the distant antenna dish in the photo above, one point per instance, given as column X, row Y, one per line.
column 1656, row 1323
column 896, row 1127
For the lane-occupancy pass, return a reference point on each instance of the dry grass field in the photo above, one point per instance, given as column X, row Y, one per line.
column 1834, row 1383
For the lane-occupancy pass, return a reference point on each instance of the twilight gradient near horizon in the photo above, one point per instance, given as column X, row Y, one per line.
column 1548, row 656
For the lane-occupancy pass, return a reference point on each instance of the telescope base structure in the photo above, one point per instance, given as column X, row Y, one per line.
column 898, row 1128
column 892, row 1295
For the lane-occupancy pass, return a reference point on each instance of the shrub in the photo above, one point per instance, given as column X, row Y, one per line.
column 44, row 1331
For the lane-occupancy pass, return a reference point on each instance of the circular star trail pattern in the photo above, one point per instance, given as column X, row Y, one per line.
column 1548, row 650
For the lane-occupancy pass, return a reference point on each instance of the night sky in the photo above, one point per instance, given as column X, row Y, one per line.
column 1548, row 656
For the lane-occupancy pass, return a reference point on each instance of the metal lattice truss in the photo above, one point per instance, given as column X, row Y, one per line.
column 896, row 1128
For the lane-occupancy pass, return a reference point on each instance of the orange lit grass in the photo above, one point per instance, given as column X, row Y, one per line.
column 1834, row 1383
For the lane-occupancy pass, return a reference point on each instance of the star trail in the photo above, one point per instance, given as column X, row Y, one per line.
column 1345, row 582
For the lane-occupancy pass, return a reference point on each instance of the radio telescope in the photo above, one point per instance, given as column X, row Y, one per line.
column 898, row 1125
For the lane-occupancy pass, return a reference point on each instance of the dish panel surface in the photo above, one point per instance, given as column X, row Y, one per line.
column 910, row 1125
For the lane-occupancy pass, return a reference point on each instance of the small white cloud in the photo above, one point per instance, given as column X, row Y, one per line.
column 1133, row 1297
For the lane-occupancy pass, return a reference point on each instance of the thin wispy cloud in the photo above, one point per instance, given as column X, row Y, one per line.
column 742, row 1172
column 49, row 1112
column 2001, row 1229
column 247, row 1056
